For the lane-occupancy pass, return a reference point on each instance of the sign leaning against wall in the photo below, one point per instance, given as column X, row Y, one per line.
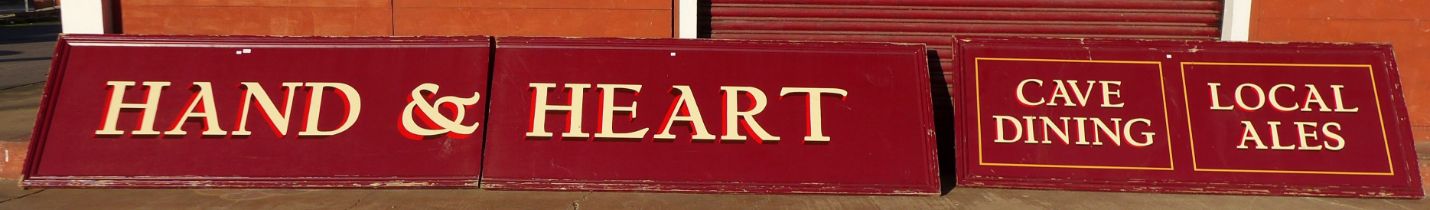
column 1183, row 116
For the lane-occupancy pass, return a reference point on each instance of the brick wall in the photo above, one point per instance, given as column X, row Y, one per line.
column 1402, row 23
column 589, row 18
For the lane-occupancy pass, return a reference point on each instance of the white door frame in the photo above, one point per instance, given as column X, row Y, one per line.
column 1236, row 20
column 85, row 17
column 687, row 15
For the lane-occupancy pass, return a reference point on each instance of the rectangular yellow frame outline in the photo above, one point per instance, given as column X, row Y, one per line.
column 1378, row 113
column 978, row 107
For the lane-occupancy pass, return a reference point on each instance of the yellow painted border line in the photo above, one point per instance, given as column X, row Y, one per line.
column 1390, row 164
column 978, row 107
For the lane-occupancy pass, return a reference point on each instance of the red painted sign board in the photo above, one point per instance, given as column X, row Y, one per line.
column 710, row 116
column 1183, row 116
column 159, row 111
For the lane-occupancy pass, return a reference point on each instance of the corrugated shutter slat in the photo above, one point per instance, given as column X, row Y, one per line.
column 933, row 21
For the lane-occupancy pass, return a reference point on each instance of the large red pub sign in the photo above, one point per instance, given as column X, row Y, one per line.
column 1183, row 116
column 158, row 111
column 710, row 116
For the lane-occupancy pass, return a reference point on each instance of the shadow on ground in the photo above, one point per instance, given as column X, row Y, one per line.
column 31, row 32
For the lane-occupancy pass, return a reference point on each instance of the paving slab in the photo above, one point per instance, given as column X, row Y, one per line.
column 18, row 105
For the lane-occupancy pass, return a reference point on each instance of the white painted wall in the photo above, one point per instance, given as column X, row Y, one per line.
column 1236, row 20
column 687, row 16
column 85, row 16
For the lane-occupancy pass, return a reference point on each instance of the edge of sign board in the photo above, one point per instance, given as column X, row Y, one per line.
column 281, row 182
column 702, row 187
column 1157, row 186
column 274, row 41
column 1395, row 105
column 725, row 44
column 57, row 73
column 734, row 187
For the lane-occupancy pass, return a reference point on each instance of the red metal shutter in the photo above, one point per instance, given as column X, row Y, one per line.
column 933, row 21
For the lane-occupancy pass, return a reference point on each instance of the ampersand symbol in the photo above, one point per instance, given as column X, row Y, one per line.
column 436, row 123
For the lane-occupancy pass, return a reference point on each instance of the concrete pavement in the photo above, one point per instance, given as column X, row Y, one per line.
column 24, row 59
column 25, row 52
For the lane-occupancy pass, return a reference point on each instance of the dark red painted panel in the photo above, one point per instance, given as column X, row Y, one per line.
column 73, row 146
column 1183, row 116
column 874, row 108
